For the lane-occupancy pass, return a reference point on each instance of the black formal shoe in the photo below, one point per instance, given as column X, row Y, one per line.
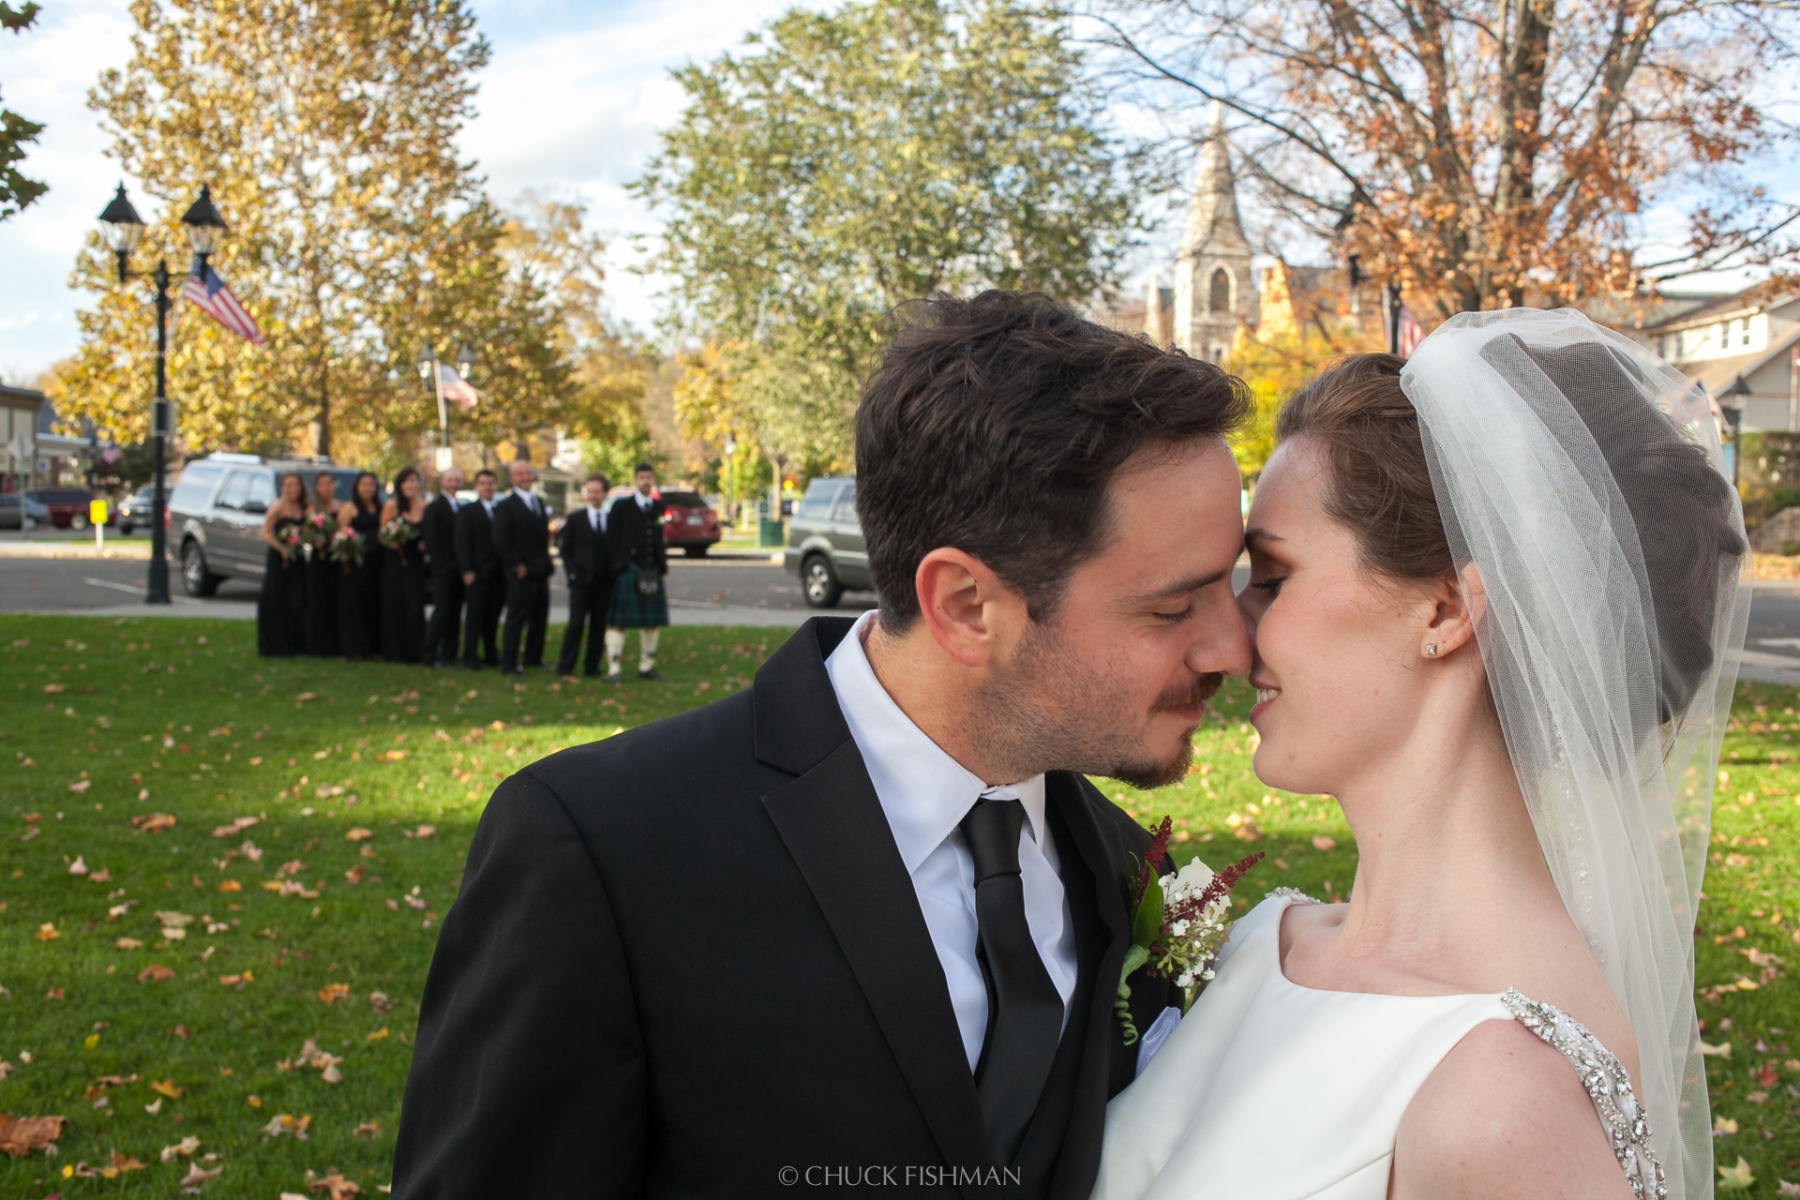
column 614, row 678
column 490, row 662
column 653, row 675
column 511, row 671
column 592, row 673
column 438, row 664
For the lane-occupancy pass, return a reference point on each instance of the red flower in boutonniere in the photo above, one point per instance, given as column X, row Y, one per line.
column 1178, row 927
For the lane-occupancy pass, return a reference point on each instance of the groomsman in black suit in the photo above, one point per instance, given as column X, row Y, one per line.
column 446, row 579
column 522, row 536
column 586, row 562
column 484, row 582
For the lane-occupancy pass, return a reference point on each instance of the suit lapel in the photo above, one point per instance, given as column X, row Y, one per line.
column 832, row 825
column 1096, row 1077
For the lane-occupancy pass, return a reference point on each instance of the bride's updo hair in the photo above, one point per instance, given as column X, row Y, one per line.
column 1682, row 509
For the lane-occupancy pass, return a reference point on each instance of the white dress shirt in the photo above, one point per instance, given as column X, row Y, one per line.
column 925, row 794
column 596, row 519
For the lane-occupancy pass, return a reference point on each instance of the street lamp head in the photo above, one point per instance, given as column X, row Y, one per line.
column 122, row 227
column 465, row 360
column 204, row 223
column 1737, row 390
column 427, row 362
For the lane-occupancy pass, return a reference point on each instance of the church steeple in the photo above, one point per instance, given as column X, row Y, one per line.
column 1213, row 222
column 1213, row 289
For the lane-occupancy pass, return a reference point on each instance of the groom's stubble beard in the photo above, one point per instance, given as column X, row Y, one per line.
column 1054, row 712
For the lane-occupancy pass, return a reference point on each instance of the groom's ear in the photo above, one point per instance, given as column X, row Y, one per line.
column 1460, row 603
column 969, row 612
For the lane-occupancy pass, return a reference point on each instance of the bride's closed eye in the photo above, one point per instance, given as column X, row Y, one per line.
column 1271, row 586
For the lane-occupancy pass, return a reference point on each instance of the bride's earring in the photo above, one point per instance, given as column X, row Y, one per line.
column 1430, row 649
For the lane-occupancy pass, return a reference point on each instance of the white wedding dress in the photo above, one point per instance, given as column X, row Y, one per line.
column 1267, row 1090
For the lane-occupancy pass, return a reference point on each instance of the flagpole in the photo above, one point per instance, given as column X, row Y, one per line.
column 437, row 377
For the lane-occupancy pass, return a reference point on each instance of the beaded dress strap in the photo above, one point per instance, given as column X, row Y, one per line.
column 1608, row 1084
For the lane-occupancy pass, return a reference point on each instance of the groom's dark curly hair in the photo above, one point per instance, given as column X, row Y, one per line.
column 995, row 425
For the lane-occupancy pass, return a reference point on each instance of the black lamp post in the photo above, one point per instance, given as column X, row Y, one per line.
column 122, row 227
column 1734, row 417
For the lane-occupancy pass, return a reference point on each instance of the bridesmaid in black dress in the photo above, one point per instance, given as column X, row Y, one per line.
column 281, row 605
column 403, row 576
column 359, row 584
column 322, row 576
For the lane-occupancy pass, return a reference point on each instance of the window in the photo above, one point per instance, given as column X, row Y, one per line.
column 236, row 490
column 821, row 494
column 1220, row 299
column 194, row 488
column 846, row 503
column 262, row 487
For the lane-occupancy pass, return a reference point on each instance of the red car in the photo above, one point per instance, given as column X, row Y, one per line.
column 68, row 506
column 693, row 525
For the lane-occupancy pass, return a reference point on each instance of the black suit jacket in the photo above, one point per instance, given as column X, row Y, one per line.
column 636, row 535
column 475, row 549
column 440, row 534
column 690, row 955
column 522, row 536
column 586, row 557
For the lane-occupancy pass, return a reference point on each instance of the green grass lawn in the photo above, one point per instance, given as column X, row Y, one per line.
column 251, row 971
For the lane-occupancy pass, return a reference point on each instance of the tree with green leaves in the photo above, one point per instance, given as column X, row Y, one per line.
column 1274, row 362
column 845, row 162
column 327, row 130
column 16, row 191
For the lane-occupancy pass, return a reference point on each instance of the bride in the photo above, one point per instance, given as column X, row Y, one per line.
column 1495, row 593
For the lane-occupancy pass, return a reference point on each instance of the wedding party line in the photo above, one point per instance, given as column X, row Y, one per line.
column 353, row 577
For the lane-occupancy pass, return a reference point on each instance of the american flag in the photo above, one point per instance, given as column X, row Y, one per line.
column 211, row 295
column 455, row 388
column 1410, row 332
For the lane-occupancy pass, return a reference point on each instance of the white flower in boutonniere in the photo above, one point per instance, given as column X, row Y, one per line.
column 1178, row 927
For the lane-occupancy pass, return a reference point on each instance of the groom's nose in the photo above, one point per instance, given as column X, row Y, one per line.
column 1224, row 647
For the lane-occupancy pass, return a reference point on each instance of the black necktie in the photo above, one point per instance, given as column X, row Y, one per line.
column 1024, row 1010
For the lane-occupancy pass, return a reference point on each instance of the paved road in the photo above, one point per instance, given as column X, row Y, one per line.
column 747, row 590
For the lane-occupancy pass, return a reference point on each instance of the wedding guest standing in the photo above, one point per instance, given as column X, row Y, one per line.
column 322, row 575
column 446, row 580
column 587, row 562
column 281, row 605
column 484, row 583
column 359, row 580
column 403, row 571
column 522, row 535
column 639, row 601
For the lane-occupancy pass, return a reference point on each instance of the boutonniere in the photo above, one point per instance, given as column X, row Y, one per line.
column 1178, row 926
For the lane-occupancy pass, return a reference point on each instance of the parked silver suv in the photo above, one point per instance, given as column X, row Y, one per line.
column 825, row 542
column 216, row 514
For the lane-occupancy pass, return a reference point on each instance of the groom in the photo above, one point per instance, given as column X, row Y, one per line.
column 861, row 924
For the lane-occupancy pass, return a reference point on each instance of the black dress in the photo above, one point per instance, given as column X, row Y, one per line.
column 281, row 605
column 322, row 576
column 359, row 591
column 403, row 601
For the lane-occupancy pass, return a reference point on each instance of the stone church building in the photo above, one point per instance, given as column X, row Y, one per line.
column 1215, row 289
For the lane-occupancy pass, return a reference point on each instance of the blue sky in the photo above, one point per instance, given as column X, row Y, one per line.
column 571, row 103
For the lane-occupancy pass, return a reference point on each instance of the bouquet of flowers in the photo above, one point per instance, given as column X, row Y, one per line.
column 317, row 531
column 396, row 532
column 1178, row 927
column 346, row 547
column 288, row 537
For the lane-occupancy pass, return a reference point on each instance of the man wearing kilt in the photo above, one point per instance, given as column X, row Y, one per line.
column 634, row 533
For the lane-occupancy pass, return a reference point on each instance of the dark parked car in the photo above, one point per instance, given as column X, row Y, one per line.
column 136, row 509
column 825, row 542
column 693, row 524
column 68, row 506
column 15, row 510
column 216, row 514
